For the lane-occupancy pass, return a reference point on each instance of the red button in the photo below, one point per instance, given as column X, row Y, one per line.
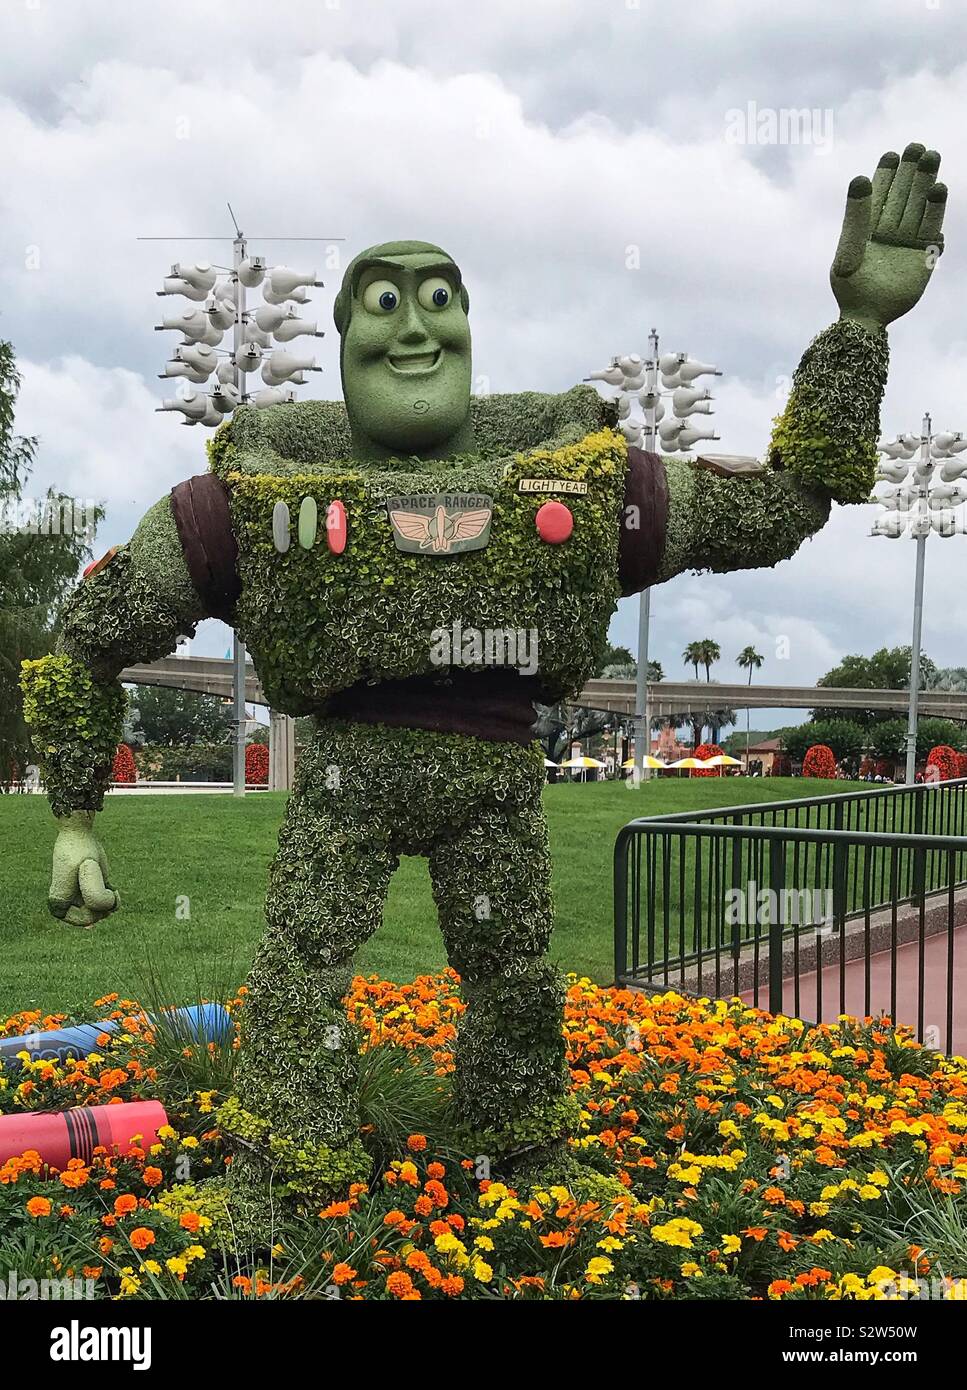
column 336, row 527
column 554, row 522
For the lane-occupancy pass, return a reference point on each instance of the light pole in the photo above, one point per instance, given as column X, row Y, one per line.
column 199, row 355
column 917, row 503
column 639, row 379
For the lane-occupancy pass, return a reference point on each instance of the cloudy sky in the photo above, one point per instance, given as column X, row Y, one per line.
column 547, row 145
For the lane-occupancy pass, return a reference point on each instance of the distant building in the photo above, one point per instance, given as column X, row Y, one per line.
column 760, row 757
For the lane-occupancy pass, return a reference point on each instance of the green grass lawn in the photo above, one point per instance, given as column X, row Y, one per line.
column 214, row 852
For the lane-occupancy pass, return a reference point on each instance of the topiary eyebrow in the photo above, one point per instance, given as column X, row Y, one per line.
column 447, row 268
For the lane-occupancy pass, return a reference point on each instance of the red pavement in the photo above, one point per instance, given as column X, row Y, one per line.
column 907, row 975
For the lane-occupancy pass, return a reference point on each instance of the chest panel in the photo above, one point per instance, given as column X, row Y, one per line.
column 455, row 548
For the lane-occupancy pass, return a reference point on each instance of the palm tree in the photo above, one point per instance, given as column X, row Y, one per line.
column 750, row 660
column 710, row 652
column 692, row 656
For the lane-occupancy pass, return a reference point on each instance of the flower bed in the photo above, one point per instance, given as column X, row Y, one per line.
column 722, row 1154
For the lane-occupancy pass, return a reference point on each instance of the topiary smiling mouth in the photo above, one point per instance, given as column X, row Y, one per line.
column 410, row 362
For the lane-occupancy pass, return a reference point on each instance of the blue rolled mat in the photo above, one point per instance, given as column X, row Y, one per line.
column 194, row 1023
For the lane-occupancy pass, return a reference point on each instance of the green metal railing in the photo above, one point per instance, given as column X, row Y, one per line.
column 801, row 905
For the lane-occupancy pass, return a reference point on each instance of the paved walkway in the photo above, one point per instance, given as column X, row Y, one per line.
column 907, row 975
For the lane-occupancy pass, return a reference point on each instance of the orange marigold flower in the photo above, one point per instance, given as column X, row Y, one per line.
column 335, row 1209
column 190, row 1221
column 38, row 1206
column 394, row 1217
column 416, row 1143
column 105, row 1245
column 756, row 1232
column 452, row 1285
column 153, row 1177
column 399, row 1284
column 74, row 1177
column 343, row 1272
column 435, row 1170
column 423, row 1206
column 141, row 1237
column 123, row 1206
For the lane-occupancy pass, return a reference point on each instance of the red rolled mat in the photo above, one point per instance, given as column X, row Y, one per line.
column 60, row 1135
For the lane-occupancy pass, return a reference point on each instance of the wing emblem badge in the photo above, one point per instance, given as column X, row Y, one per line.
column 440, row 523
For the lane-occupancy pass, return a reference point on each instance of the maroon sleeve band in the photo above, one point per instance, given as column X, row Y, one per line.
column 204, row 522
column 644, row 516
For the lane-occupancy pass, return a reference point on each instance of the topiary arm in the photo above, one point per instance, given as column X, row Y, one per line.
column 823, row 444
column 132, row 609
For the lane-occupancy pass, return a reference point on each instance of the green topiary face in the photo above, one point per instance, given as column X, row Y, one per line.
column 405, row 352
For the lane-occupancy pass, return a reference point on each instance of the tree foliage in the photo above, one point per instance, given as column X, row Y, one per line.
column 36, row 571
column 845, row 738
column 177, row 718
column 886, row 669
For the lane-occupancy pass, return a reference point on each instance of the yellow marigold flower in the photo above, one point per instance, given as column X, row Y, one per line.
column 677, row 1232
column 821, row 1235
column 818, row 1208
column 151, row 1267
column 495, row 1193
column 691, row 1270
column 447, row 1243
column 611, row 1243
column 957, row 1290
column 177, row 1265
column 481, row 1271
column 731, row 1245
column 688, row 1175
column 483, row 1243
column 869, row 1192
column 597, row 1268
column 880, row 1274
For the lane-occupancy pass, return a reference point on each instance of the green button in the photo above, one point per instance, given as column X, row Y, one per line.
column 308, row 522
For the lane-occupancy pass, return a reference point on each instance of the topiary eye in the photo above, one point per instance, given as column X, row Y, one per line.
column 381, row 297
column 435, row 293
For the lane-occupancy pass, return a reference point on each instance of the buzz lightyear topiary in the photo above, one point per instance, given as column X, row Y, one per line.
column 345, row 542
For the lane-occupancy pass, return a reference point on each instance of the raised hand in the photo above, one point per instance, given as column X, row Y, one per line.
column 891, row 238
column 80, row 892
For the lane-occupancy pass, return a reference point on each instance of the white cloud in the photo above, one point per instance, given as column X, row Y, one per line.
column 536, row 143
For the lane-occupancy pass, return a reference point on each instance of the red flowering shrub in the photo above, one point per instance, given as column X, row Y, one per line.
column 819, row 762
column 706, row 751
column 962, row 764
column 256, row 763
column 945, row 760
column 124, row 768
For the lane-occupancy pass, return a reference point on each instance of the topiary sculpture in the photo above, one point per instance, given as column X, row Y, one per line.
column 414, row 568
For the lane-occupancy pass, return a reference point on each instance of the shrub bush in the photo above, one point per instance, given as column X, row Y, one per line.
column 706, row 751
column 124, row 769
column 256, row 764
column 945, row 760
column 819, row 762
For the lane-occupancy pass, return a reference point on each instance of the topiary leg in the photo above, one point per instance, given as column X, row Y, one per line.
column 492, row 888
column 294, row 1115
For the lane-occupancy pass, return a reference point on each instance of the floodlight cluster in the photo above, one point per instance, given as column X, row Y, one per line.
column 642, row 379
column 923, row 484
column 214, row 377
